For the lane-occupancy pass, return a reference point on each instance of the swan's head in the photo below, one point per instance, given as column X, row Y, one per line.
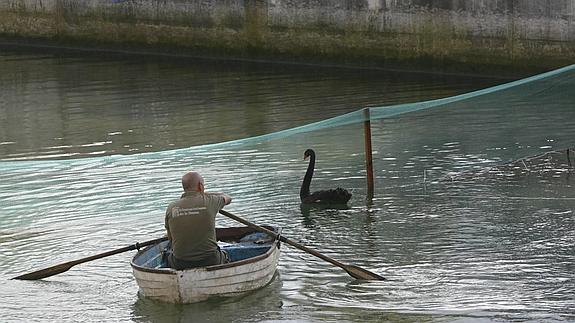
column 307, row 153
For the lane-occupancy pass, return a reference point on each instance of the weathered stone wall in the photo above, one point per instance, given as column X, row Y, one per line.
column 529, row 19
column 456, row 35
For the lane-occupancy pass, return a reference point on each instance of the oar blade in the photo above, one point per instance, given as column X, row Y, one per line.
column 58, row 269
column 47, row 272
column 360, row 273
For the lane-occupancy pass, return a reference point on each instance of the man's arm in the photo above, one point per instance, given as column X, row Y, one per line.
column 227, row 198
column 166, row 222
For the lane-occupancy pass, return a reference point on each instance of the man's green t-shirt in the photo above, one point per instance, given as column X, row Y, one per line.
column 191, row 223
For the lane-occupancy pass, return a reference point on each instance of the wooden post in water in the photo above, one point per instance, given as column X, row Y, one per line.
column 368, row 157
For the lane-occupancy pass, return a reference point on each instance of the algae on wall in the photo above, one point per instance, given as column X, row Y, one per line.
column 456, row 35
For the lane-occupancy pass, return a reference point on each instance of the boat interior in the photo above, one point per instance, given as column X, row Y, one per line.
column 239, row 243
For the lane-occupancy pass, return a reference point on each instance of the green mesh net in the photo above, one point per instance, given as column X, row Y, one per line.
column 414, row 146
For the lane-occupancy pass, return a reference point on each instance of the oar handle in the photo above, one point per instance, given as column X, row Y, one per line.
column 135, row 246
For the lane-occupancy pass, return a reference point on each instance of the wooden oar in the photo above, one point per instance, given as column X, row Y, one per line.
column 353, row 271
column 58, row 269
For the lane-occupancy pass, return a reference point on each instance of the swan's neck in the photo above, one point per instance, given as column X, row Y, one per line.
column 304, row 191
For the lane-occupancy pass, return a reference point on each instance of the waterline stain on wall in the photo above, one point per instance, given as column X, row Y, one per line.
column 457, row 36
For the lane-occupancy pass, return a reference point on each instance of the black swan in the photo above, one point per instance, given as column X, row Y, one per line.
column 331, row 196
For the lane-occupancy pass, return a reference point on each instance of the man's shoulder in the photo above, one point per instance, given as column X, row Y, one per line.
column 214, row 196
column 218, row 201
column 173, row 204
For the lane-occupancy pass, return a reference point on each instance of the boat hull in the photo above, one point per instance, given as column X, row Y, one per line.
column 198, row 284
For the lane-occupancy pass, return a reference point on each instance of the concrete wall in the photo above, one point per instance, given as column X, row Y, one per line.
column 455, row 35
column 530, row 19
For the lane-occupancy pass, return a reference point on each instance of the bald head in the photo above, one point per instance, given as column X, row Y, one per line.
column 193, row 182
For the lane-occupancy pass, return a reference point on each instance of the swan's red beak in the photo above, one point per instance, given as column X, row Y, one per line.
column 305, row 157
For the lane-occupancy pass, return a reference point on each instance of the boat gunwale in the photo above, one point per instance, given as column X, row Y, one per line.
column 275, row 244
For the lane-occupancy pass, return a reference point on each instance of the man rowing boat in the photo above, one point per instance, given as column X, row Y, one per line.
column 191, row 225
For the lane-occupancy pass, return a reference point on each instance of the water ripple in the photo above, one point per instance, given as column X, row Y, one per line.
column 454, row 236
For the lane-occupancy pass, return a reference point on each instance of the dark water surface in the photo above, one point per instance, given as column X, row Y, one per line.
column 76, row 105
column 116, row 133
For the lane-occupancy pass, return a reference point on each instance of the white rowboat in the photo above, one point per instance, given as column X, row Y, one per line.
column 254, row 257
